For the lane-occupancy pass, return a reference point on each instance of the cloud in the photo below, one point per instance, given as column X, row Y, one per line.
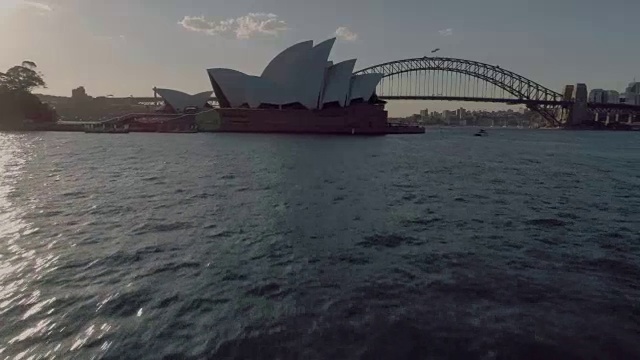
column 343, row 33
column 243, row 27
column 446, row 32
column 38, row 5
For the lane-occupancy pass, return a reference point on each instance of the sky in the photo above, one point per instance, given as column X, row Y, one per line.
column 126, row 47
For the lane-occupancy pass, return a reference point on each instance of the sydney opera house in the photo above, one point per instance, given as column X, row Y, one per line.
column 300, row 76
column 299, row 91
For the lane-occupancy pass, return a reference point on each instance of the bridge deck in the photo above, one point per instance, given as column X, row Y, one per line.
column 593, row 106
column 478, row 99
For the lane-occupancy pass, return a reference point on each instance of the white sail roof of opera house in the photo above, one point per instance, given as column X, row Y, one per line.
column 179, row 100
column 363, row 86
column 309, row 83
column 301, row 74
column 284, row 67
column 338, row 83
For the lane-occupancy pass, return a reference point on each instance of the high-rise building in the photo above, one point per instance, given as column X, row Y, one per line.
column 632, row 95
column 613, row 97
column 601, row 96
column 597, row 96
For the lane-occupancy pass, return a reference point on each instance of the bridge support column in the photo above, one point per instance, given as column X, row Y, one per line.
column 579, row 111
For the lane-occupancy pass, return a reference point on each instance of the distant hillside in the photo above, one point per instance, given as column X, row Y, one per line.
column 52, row 98
column 57, row 98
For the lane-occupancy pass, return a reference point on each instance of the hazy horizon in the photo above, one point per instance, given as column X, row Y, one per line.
column 127, row 47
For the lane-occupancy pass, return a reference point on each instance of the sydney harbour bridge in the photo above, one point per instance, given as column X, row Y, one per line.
column 451, row 79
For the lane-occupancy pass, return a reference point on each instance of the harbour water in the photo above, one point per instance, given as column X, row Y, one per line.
column 519, row 245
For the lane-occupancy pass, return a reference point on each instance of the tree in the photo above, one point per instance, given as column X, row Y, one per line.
column 29, row 64
column 16, row 100
column 22, row 77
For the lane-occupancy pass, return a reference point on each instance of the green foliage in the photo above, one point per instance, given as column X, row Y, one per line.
column 22, row 77
column 17, row 103
column 29, row 64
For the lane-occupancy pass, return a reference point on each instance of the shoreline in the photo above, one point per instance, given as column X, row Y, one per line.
column 67, row 127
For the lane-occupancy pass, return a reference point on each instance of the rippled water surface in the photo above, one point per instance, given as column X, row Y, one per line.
column 523, row 244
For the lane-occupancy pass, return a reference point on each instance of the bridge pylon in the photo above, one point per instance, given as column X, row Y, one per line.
column 579, row 111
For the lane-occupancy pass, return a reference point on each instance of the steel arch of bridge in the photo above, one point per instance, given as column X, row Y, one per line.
column 537, row 97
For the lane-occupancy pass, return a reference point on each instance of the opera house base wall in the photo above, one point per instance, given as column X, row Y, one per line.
column 358, row 119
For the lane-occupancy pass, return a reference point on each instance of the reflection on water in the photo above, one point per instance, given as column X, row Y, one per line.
column 523, row 244
column 22, row 263
column 26, row 258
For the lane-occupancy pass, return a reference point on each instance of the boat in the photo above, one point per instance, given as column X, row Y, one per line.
column 190, row 130
column 482, row 132
column 106, row 129
column 404, row 129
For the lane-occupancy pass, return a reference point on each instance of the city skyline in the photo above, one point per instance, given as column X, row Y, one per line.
column 127, row 47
